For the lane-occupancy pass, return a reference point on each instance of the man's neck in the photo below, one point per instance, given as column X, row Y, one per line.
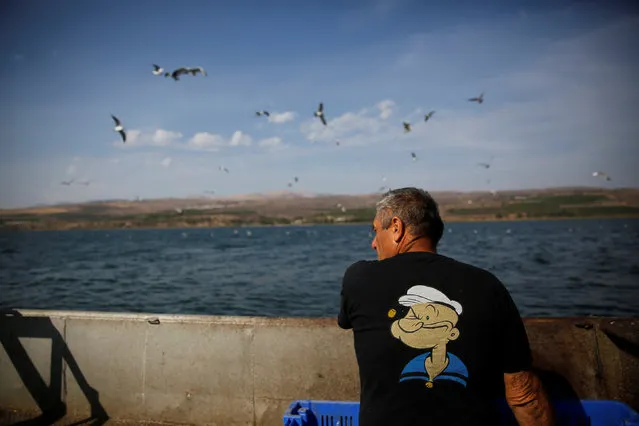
column 415, row 244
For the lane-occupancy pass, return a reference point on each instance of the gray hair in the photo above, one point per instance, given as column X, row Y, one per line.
column 416, row 209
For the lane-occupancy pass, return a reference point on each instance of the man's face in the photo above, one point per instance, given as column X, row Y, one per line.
column 383, row 242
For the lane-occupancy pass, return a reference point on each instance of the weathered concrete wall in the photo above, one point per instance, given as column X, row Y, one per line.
column 245, row 371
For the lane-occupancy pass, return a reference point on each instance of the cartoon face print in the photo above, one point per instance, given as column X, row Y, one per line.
column 426, row 325
column 430, row 323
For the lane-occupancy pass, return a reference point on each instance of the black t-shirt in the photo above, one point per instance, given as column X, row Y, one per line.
column 433, row 339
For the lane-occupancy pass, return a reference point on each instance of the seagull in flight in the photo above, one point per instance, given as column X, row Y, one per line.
column 118, row 128
column 85, row 182
column 602, row 175
column 479, row 99
column 429, row 115
column 177, row 73
column 157, row 70
column 412, row 154
column 488, row 164
column 406, row 126
column 223, row 169
column 195, row 70
column 261, row 113
column 67, row 182
column 296, row 179
column 320, row 113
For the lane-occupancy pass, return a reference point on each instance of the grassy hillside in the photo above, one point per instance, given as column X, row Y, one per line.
column 291, row 209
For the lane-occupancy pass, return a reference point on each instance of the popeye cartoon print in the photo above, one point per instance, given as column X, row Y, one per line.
column 430, row 323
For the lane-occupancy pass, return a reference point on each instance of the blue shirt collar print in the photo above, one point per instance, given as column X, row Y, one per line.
column 455, row 371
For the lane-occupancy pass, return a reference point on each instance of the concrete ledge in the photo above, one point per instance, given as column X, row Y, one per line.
column 220, row 370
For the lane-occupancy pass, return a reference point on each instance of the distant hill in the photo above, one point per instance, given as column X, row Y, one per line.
column 287, row 207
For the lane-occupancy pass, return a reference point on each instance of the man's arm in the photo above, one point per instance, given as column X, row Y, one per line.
column 528, row 400
column 524, row 392
column 342, row 318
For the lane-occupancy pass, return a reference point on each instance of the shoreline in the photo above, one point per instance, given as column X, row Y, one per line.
column 454, row 220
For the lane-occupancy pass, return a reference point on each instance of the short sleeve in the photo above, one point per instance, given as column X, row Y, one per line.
column 346, row 302
column 516, row 354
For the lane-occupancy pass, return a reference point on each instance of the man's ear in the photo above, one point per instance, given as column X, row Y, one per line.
column 397, row 226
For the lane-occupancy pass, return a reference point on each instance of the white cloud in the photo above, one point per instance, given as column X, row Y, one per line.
column 163, row 137
column 351, row 128
column 206, row 141
column 279, row 118
column 386, row 108
column 271, row 142
column 240, row 138
column 159, row 137
column 203, row 141
column 166, row 162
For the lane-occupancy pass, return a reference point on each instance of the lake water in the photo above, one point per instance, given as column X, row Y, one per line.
column 552, row 268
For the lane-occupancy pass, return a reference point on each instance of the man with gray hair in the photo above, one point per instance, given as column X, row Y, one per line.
column 438, row 342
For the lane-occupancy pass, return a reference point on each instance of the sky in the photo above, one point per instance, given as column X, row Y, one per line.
column 558, row 77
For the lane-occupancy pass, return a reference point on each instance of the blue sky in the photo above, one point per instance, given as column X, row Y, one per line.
column 559, row 79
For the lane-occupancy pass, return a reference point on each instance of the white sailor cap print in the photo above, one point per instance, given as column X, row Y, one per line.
column 423, row 294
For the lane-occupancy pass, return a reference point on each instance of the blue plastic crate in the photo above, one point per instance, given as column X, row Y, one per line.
column 568, row 413
column 322, row 413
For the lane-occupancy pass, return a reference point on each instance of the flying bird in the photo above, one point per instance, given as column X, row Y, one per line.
column 296, row 179
column 412, row 154
column 224, row 169
column 602, row 175
column 157, row 70
column 320, row 113
column 337, row 143
column 195, row 70
column 85, row 182
column 406, row 126
column 67, row 182
column 261, row 113
column 177, row 73
column 488, row 164
column 429, row 115
column 479, row 99
column 119, row 128
column 179, row 210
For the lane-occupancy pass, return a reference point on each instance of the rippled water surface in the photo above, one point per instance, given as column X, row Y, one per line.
column 552, row 268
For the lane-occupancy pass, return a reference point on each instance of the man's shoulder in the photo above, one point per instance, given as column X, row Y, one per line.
column 359, row 271
column 359, row 268
column 472, row 271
